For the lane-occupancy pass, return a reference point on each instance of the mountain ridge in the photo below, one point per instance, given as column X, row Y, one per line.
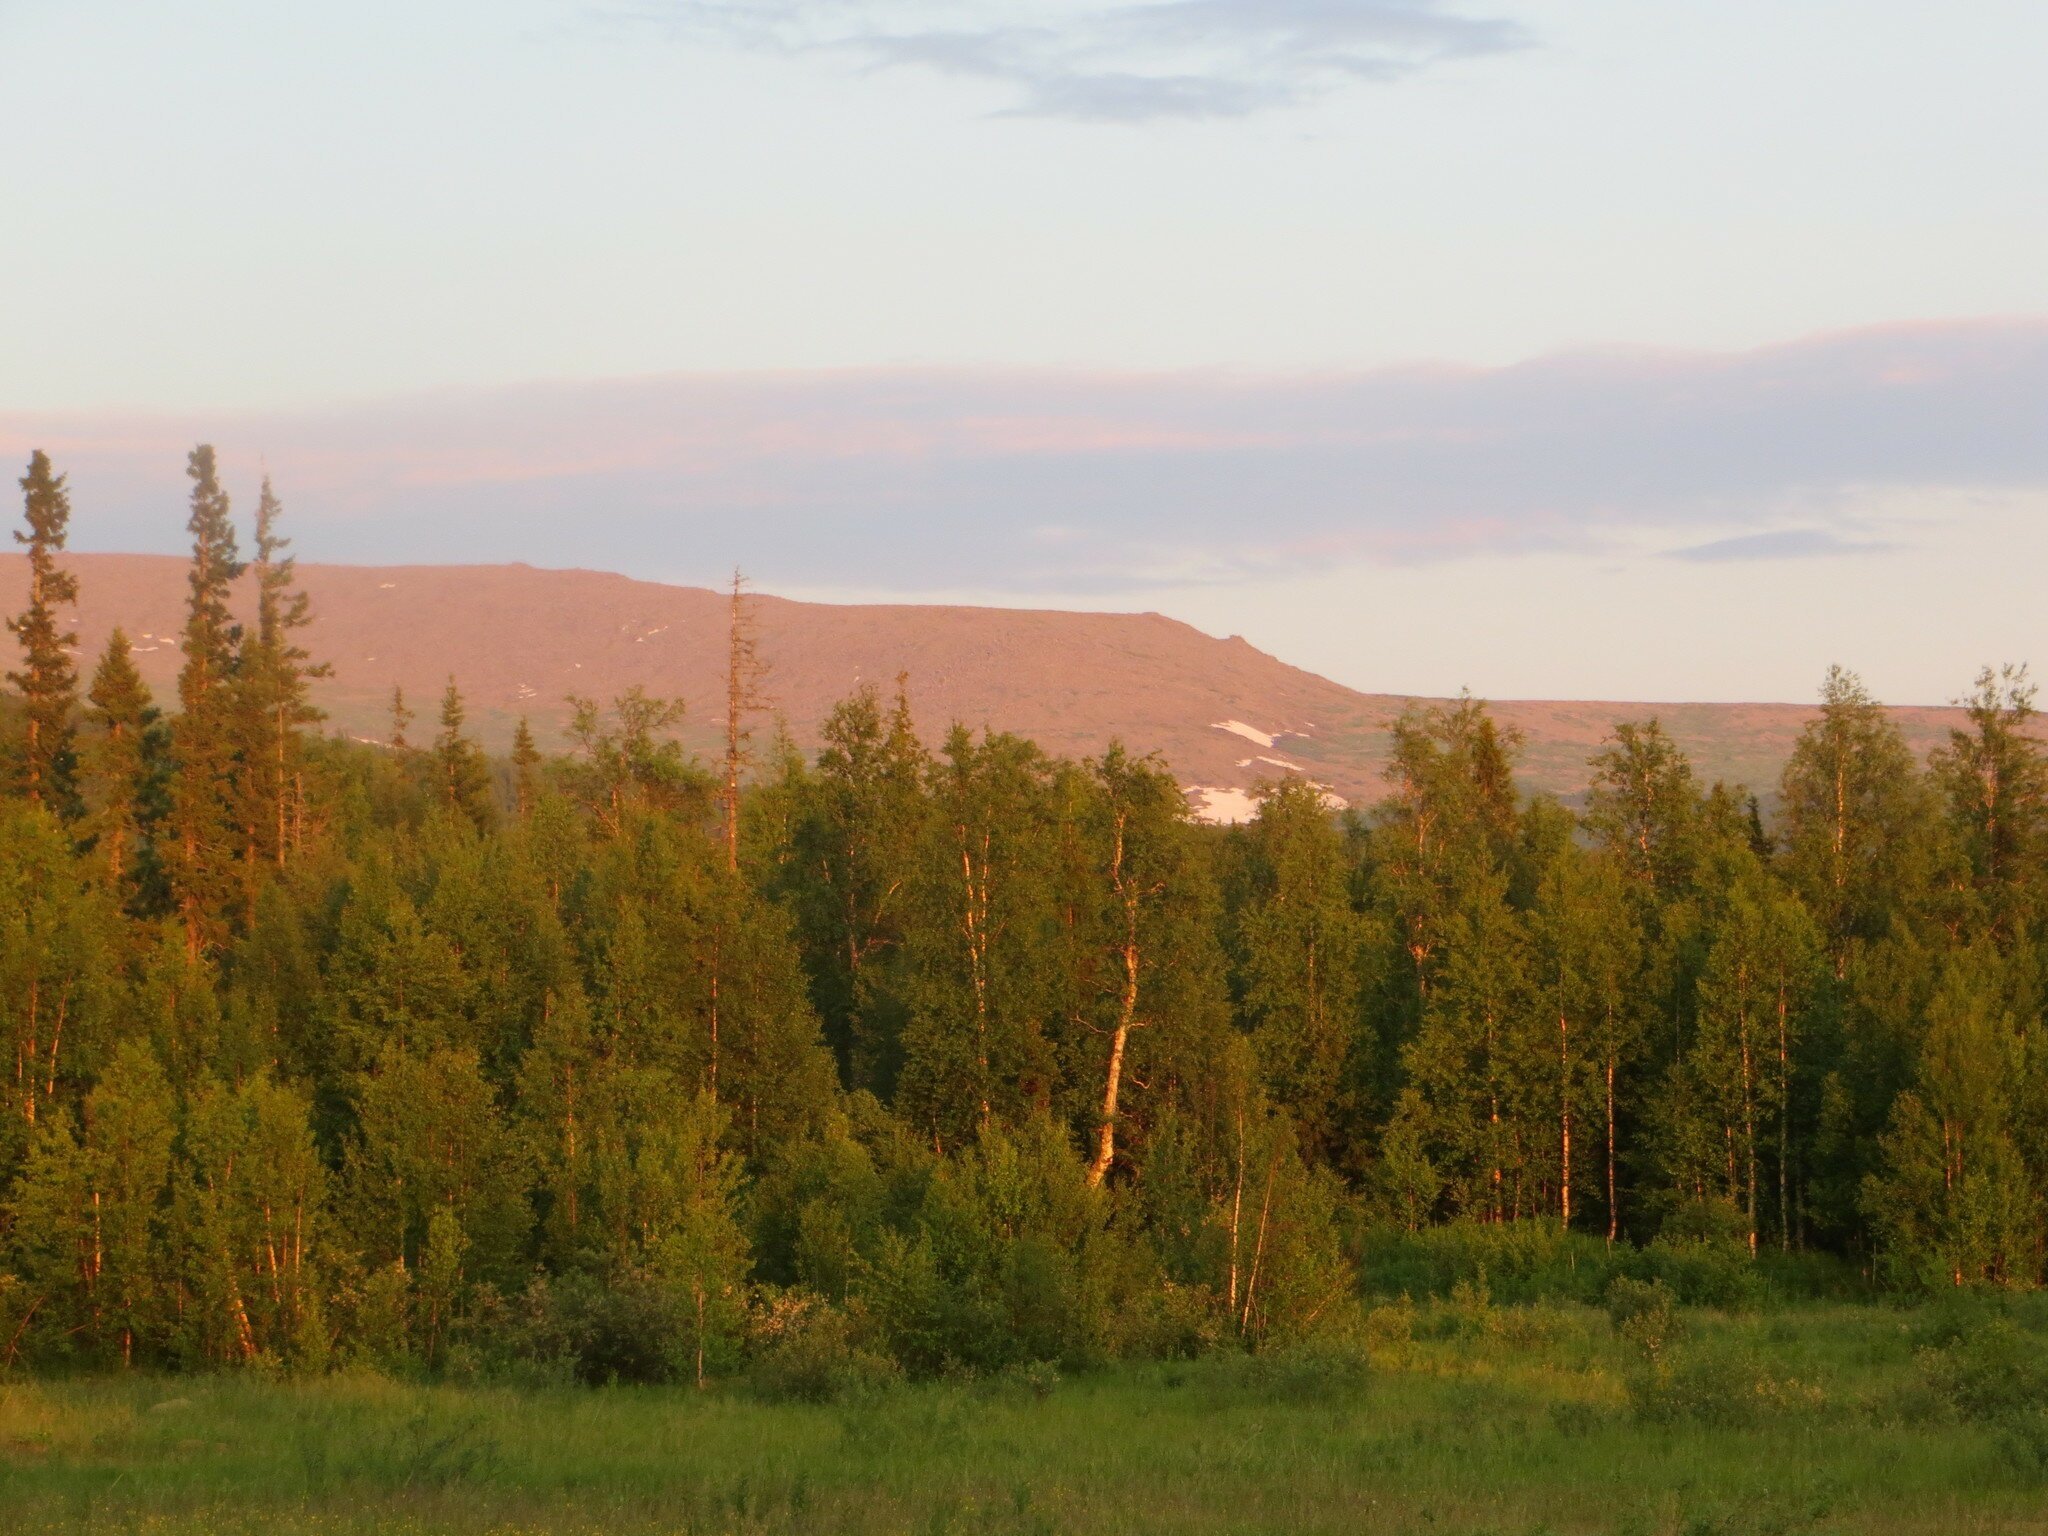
column 520, row 639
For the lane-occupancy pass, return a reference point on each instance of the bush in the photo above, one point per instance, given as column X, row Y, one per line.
column 1519, row 1261
column 1468, row 1314
column 602, row 1329
column 1716, row 1388
column 1986, row 1375
column 1390, row 1326
column 1644, row 1312
column 1723, row 1388
column 1703, row 1255
column 1532, row 1325
column 805, row 1351
column 1976, row 1365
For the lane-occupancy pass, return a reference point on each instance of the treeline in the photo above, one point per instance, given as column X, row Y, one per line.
column 914, row 1057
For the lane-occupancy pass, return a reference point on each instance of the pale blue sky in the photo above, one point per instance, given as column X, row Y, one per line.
column 1425, row 344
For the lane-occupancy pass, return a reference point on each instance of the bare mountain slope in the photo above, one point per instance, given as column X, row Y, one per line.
column 520, row 640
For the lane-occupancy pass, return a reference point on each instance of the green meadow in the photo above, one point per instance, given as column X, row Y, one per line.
column 1458, row 1416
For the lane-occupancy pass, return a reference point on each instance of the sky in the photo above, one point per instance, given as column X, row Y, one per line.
column 1550, row 348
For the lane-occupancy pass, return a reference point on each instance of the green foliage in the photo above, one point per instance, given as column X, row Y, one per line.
column 982, row 1063
column 1716, row 1387
column 805, row 1351
column 1644, row 1313
column 48, row 679
column 121, row 773
column 462, row 778
column 202, row 846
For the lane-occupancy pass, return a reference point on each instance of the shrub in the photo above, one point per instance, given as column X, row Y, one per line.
column 805, row 1351
column 1715, row 1388
column 2023, row 1437
column 1468, row 1314
column 1724, row 1388
column 1390, row 1326
column 1985, row 1375
column 1703, row 1255
column 603, row 1329
column 1644, row 1312
column 1531, row 1325
column 1520, row 1261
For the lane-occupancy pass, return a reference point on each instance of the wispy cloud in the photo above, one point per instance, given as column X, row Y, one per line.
column 1782, row 544
column 1049, row 483
column 1095, row 62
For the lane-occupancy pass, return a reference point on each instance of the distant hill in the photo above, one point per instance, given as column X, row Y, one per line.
column 1224, row 714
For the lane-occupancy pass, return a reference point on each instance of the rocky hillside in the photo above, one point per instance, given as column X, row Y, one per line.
column 520, row 641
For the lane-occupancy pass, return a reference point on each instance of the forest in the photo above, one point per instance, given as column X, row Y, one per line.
column 935, row 1059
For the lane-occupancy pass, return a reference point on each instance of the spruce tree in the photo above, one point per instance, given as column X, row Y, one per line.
column 48, row 680
column 274, row 705
column 118, row 762
column 525, row 769
column 744, row 672
column 401, row 718
column 202, row 853
column 462, row 778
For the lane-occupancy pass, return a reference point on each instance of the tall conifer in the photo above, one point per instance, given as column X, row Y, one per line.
column 401, row 718
column 117, row 763
column 203, row 852
column 743, row 675
column 462, row 779
column 525, row 768
column 48, row 681
column 275, row 704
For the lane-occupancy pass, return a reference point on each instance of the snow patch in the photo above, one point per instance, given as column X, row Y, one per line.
column 1221, row 806
column 1250, row 733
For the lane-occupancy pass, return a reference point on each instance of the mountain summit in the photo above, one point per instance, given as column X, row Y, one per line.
column 520, row 641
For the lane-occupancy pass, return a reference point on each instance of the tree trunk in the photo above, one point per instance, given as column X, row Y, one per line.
column 1784, row 1127
column 1126, row 1014
column 1613, row 1205
column 1564, row 1056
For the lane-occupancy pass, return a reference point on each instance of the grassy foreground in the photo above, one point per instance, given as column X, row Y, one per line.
column 1467, row 1419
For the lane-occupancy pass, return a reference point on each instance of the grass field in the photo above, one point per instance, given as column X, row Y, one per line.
column 1457, row 1417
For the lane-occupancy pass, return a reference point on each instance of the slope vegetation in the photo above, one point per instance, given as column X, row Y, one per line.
column 520, row 641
